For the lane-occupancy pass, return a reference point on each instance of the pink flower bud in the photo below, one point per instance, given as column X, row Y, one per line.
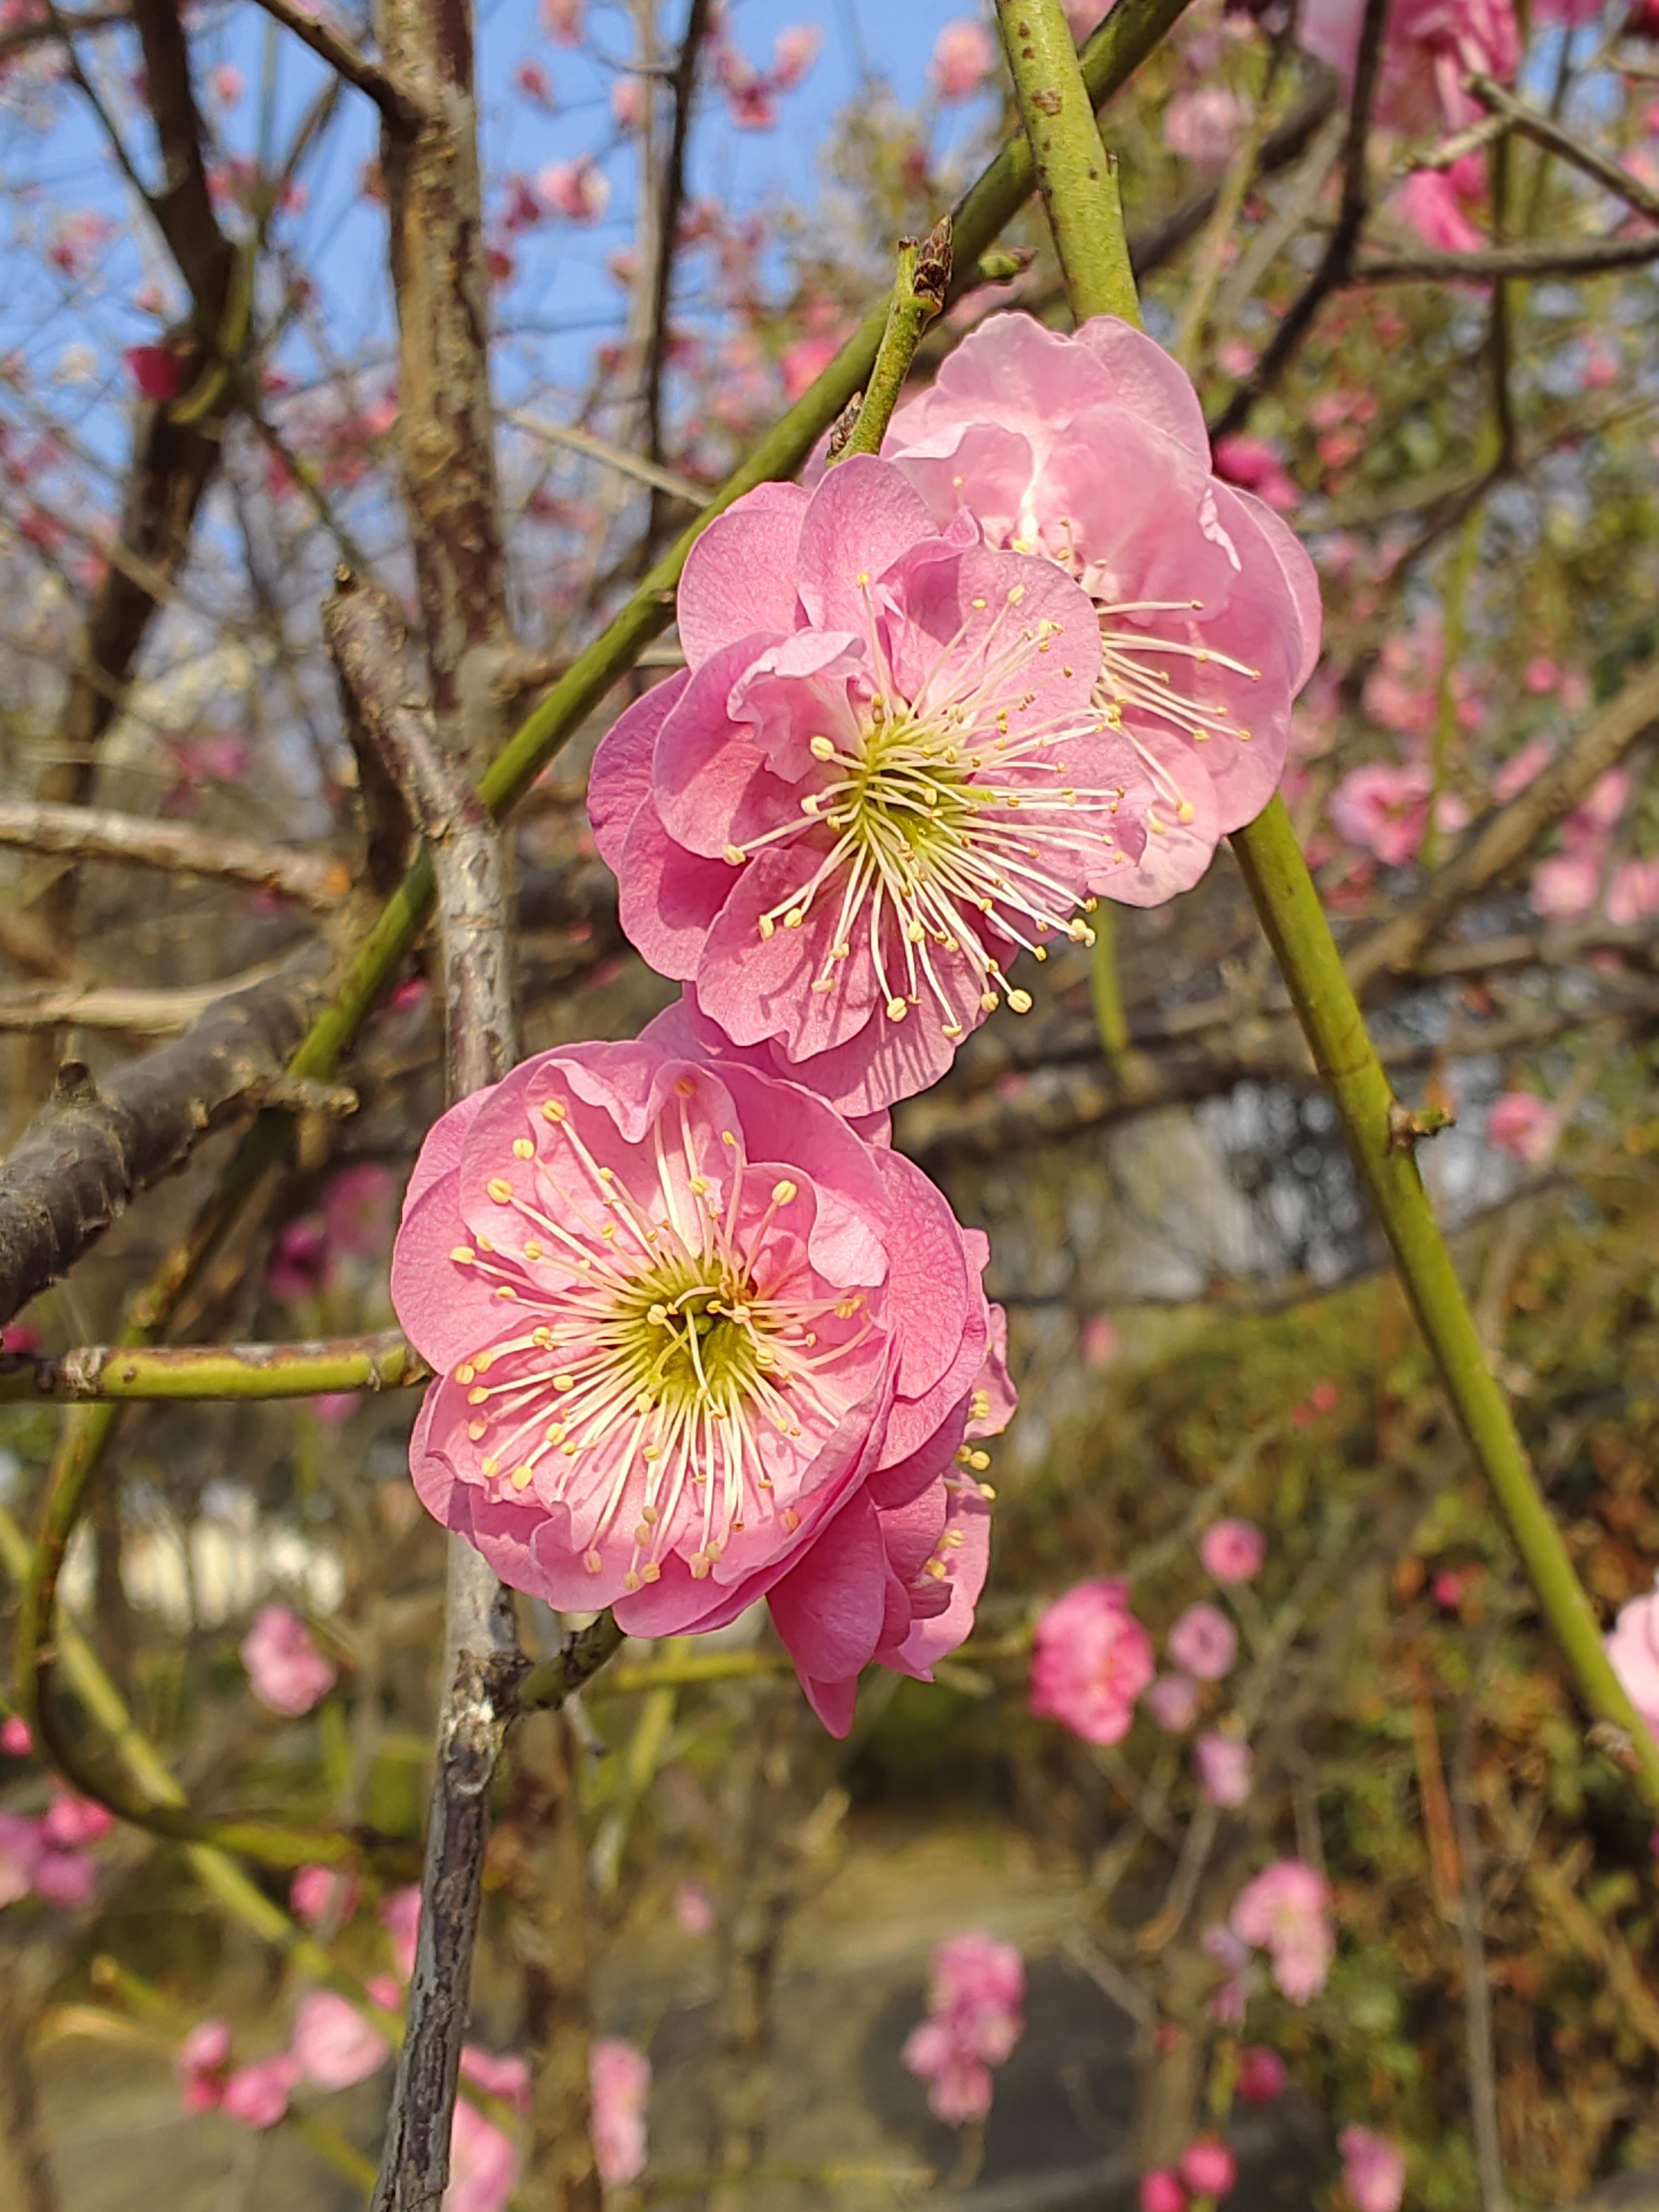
column 1232, row 1551
column 1208, row 2167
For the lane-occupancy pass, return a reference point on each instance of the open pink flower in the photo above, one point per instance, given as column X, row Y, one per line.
column 698, row 1343
column 1224, row 1767
column 965, row 54
column 974, row 2018
column 1232, row 1551
column 1286, row 1911
column 1633, row 1648
column 1091, row 1660
column 1204, row 1642
column 1092, row 449
column 286, row 1671
column 1522, row 1125
column 334, row 2044
column 1384, row 809
column 619, row 2081
column 882, row 774
column 1373, row 2170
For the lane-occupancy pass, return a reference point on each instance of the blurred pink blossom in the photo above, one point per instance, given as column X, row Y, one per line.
column 1097, row 1341
column 694, row 1909
column 201, row 2063
column 1633, row 893
column 1428, row 200
column 483, row 2163
column 794, row 53
column 1232, row 1551
column 400, row 1916
column 227, row 83
column 1172, row 1701
column 334, row 2044
column 1522, row 1125
column 1564, row 888
column 1091, row 1660
column 631, row 100
column 14, row 1738
column 317, row 1893
column 1224, row 1767
column 1633, row 1649
column 298, row 1259
column 1285, row 1911
column 531, row 81
column 1373, row 2170
column 1256, row 465
column 1383, row 808
column 257, row 2095
column 503, row 2074
column 975, row 1996
column 620, row 2081
column 804, row 362
column 359, row 1210
column 1208, row 2167
column 1526, row 763
column 1203, row 1642
column 19, row 1856
column 1261, row 2076
column 965, row 54
column 578, row 190
column 71, row 1821
column 286, row 1671
column 1204, row 126
column 561, row 19
column 1161, row 2191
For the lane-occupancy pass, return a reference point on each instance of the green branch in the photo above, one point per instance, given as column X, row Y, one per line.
column 1081, row 196
column 140, row 1372
column 920, row 290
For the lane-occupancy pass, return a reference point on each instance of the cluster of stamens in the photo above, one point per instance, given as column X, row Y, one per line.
column 665, row 1368
column 952, row 831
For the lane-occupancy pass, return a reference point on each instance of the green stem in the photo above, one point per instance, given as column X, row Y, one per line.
column 1106, row 989
column 128, row 1372
column 1082, row 203
column 920, row 288
column 1075, row 174
column 573, row 1666
column 1453, row 637
column 1288, row 907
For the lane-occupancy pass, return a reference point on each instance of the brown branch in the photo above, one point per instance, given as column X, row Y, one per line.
column 93, row 1146
column 97, row 832
column 345, row 60
column 671, row 199
column 1550, row 135
column 17, row 38
column 87, row 1006
column 482, row 1659
column 445, row 429
column 1599, row 257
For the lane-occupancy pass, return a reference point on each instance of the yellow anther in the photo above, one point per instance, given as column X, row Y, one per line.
column 466, row 1372
column 553, row 1109
column 822, row 748
column 783, row 1193
column 463, row 1255
column 490, row 1467
column 897, row 1009
column 523, row 1149
column 794, row 918
column 732, row 856
column 523, row 1476
column 564, row 1382
column 499, row 1189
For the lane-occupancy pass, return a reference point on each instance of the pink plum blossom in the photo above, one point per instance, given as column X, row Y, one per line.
column 1224, row 1767
column 1633, row 1649
column 1232, row 1954
column 1524, row 1126
column 1091, row 1660
column 1172, row 1701
column 806, row 825
column 975, row 1996
column 1204, row 126
column 1091, row 449
column 965, row 54
column 257, row 2095
column 334, row 2044
column 1430, row 47
column 286, row 1671
column 794, row 50
column 1261, row 2077
column 1285, row 1911
column 1429, row 201
column 1208, row 2167
column 483, row 2163
column 14, row 1738
column 561, row 19
column 768, row 1336
column 1384, row 810
column 65, row 1878
column 1232, row 1551
column 1564, row 888
column 203, row 2065
column 1256, row 465
column 360, row 1209
column 317, row 1893
column 502, row 2073
column 1097, row 1341
column 71, row 1821
column 1161, row 2191
column 619, row 2078
column 1373, row 2170
column 580, row 190
column 1204, row 1642
column 631, row 100
column 1633, row 893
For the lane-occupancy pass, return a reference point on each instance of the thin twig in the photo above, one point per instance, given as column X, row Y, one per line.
column 1542, row 131
column 1599, row 257
column 671, row 199
column 1477, row 1988
column 346, row 61
column 100, row 832
column 613, row 457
